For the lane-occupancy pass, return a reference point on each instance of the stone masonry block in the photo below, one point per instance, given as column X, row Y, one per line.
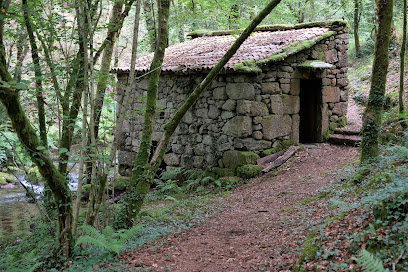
column 274, row 126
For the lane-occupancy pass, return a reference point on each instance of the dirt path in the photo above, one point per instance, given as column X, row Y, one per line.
column 261, row 230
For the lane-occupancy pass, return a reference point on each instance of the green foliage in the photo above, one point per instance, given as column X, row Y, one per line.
column 107, row 240
column 120, row 184
column 309, row 251
column 33, row 175
column 249, row 171
column 369, row 263
column 21, row 262
column 282, row 146
column 179, row 181
column 6, row 178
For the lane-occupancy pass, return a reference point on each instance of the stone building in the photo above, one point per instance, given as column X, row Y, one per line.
column 285, row 85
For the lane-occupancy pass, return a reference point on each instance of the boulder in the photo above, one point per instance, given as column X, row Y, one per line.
column 234, row 158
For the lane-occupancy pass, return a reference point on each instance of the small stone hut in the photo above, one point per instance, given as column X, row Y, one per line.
column 285, row 85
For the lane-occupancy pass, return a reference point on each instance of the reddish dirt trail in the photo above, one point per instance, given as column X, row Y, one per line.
column 260, row 230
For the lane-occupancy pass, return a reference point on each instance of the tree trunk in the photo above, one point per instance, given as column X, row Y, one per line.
column 402, row 68
column 38, row 75
column 356, row 23
column 144, row 173
column 121, row 116
column 374, row 109
column 27, row 136
column 148, row 10
column 138, row 184
column 22, row 50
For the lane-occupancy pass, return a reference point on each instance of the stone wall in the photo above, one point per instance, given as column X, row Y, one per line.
column 239, row 111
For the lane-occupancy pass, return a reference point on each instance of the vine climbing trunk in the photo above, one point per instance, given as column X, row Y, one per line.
column 374, row 109
column 139, row 184
column 143, row 173
column 148, row 9
column 356, row 24
column 401, row 107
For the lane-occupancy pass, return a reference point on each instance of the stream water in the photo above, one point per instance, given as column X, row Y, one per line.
column 15, row 208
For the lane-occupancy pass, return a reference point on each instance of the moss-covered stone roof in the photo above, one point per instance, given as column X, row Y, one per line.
column 266, row 44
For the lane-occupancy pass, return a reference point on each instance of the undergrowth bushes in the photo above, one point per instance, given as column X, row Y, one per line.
column 373, row 202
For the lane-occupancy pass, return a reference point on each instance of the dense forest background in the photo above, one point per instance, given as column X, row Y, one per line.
column 59, row 119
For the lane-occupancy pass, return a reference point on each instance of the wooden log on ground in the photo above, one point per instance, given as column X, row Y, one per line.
column 281, row 160
column 270, row 158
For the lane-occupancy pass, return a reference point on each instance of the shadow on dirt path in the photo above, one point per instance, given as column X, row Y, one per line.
column 263, row 226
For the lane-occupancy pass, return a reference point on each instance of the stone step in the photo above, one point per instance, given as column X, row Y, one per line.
column 345, row 131
column 340, row 139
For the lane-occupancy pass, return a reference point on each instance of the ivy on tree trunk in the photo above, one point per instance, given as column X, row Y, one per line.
column 402, row 69
column 374, row 109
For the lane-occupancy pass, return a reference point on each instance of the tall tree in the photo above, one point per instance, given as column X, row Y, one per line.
column 374, row 109
column 402, row 68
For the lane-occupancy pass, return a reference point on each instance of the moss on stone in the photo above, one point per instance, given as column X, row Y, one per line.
column 333, row 126
column 359, row 175
column 247, row 67
column 249, row 171
column 283, row 145
column 342, row 122
column 6, row 178
column 120, row 184
column 309, row 250
column 233, row 159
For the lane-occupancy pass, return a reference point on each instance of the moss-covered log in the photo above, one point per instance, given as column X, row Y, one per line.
column 374, row 109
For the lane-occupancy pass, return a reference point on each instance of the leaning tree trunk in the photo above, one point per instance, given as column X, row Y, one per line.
column 374, row 109
column 27, row 136
column 402, row 68
column 143, row 173
column 355, row 24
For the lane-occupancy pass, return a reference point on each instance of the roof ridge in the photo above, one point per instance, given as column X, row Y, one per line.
column 330, row 24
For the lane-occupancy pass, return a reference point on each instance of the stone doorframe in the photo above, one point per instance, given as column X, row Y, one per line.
column 311, row 73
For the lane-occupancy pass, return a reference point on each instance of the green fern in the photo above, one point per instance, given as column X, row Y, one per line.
column 19, row 262
column 108, row 239
column 369, row 263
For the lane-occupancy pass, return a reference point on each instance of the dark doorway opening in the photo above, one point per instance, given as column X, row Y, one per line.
column 310, row 128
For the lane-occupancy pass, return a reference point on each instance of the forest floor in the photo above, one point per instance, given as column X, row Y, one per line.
column 262, row 225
